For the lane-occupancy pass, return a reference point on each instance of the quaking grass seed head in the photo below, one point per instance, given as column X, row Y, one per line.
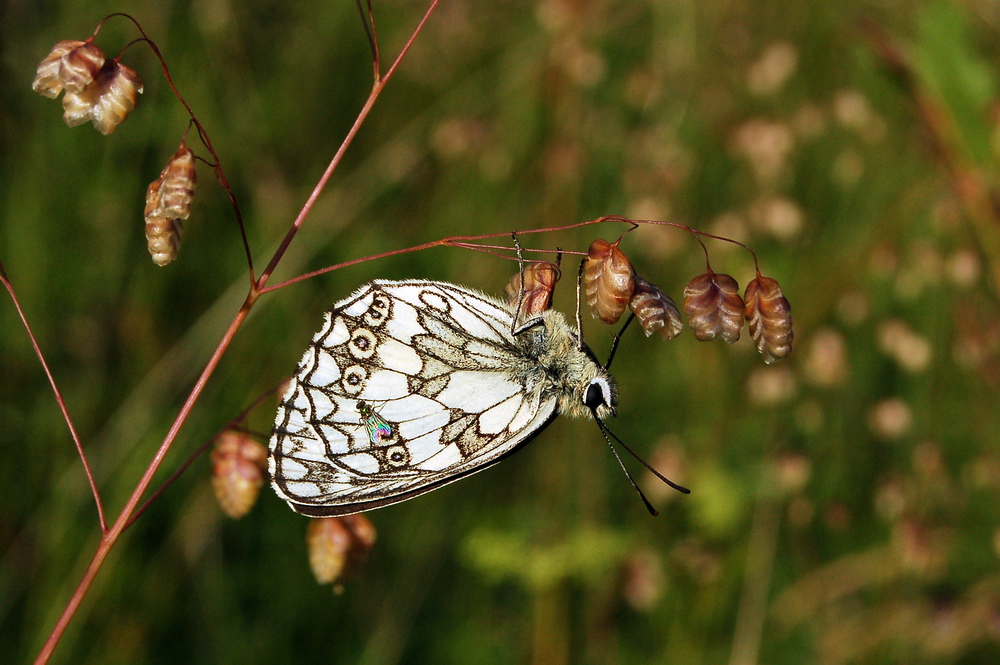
column 655, row 310
column 71, row 65
column 338, row 545
column 238, row 464
column 178, row 181
column 769, row 318
column 168, row 201
column 535, row 296
column 714, row 308
column 608, row 280
column 106, row 101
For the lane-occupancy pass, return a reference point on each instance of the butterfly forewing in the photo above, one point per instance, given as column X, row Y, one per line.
column 453, row 385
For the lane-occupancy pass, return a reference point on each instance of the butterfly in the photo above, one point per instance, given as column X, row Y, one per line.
column 459, row 385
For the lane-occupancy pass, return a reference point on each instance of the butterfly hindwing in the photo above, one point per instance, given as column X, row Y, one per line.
column 442, row 369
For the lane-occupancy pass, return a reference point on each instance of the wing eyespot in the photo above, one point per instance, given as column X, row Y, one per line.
column 354, row 379
column 362, row 344
column 397, row 456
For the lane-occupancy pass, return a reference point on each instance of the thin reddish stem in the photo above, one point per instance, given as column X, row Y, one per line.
column 59, row 398
column 110, row 537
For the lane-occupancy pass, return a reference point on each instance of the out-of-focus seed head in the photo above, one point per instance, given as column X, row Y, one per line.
column 655, row 310
column 608, row 280
column 168, row 201
column 238, row 464
column 540, row 279
column 714, row 308
column 337, row 545
column 363, row 531
column 769, row 317
column 329, row 543
column 107, row 101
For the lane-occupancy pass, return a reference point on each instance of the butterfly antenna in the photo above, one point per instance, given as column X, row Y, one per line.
column 579, row 320
column 618, row 337
column 605, row 431
column 608, row 432
column 520, row 288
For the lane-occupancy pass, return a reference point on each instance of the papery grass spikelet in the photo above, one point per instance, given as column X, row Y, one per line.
column 769, row 317
column 47, row 81
column 163, row 238
column 80, row 67
column 363, row 530
column 238, row 464
column 179, row 179
column 540, row 279
column 714, row 308
column 107, row 101
column 337, row 545
column 608, row 280
column 656, row 311
column 329, row 543
column 168, row 201
column 71, row 65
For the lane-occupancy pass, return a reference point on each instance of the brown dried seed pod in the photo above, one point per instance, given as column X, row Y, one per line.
column 363, row 530
column 238, row 464
column 178, row 180
column 540, row 279
column 337, row 545
column 168, row 201
column 163, row 238
column 608, row 280
column 769, row 317
column 80, row 66
column 47, row 81
column 107, row 101
column 714, row 308
column 656, row 311
column 329, row 544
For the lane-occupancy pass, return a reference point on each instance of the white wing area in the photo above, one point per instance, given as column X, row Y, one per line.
column 438, row 363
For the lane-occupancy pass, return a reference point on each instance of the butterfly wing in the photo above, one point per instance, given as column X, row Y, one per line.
column 446, row 374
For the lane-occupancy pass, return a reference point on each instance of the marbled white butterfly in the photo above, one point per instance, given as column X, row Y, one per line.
column 458, row 387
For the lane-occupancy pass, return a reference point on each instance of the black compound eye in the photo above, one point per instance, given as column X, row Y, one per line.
column 594, row 397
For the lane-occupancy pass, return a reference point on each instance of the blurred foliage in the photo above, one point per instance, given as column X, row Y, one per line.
column 844, row 505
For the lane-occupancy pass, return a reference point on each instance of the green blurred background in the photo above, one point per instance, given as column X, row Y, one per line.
column 844, row 505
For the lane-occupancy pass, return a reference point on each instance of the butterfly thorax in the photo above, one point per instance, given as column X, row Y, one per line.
column 563, row 370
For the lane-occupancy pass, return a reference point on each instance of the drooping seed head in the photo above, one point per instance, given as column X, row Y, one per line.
column 608, row 280
column 238, row 464
column 714, row 308
column 769, row 316
column 107, row 101
column 337, row 545
column 655, row 310
column 71, row 65
column 540, row 279
column 168, row 201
